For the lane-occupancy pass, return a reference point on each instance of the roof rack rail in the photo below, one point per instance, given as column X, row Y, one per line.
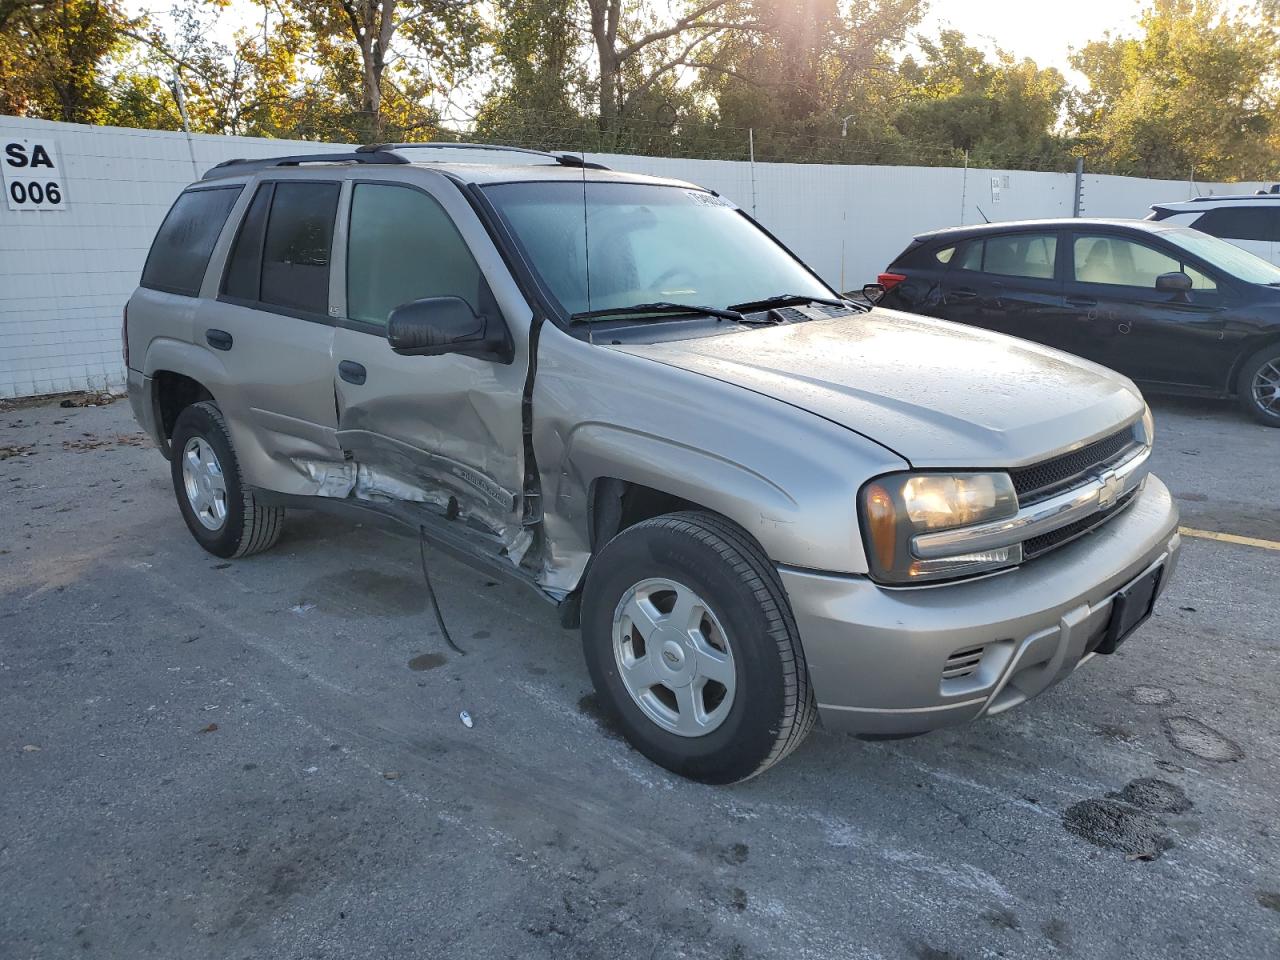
column 564, row 159
column 230, row 168
column 1259, row 195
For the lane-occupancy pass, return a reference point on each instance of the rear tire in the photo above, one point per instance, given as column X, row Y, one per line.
column 223, row 515
column 1259, row 385
column 738, row 651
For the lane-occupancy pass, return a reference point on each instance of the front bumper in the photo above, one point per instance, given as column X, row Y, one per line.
column 876, row 656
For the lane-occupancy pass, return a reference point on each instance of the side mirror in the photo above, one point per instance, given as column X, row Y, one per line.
column 873, row 292
column 440, row 325
column 1176, row 282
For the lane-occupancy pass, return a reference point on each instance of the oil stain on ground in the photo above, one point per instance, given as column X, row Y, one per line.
column 1201, row 740
column 1110, row 823
column 428, row 661
column 369, row 593
column 589, row 706
column 1158, row 796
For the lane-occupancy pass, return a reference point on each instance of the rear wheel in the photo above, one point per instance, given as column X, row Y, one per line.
column 1259, row 386
column 222, row 514
column 692, row 647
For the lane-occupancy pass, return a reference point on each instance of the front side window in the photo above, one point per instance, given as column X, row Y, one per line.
column 600, row 245
column 180, row 254
column 402, row 246
column 281, row 255
column 1029, row 255
column 1125, row 263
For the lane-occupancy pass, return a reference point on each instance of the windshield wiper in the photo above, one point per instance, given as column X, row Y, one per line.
column 660, row 308
column 787, row 300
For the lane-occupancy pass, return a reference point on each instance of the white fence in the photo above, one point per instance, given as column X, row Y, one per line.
column 66, row 272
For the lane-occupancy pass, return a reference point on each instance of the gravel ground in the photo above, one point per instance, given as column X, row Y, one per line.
column 264, row 758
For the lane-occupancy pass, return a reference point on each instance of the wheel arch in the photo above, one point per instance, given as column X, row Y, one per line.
column 1250, row 348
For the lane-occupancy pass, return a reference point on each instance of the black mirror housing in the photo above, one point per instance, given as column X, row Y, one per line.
column 873, row 292
column 441, row 325
column 1175, row 282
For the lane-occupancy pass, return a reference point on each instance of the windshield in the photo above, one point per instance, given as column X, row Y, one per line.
column 1225, row 256
column 641, row 243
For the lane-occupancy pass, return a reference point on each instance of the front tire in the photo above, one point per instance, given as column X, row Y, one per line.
column 693, row 649
column 223, row 515
column 1259, row 385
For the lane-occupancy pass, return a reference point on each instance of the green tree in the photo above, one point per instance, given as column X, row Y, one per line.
column 1196, row 93
column 1002, row 111
column 53, row 54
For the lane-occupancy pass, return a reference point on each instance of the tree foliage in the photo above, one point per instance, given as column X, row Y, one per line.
column 1194, row 91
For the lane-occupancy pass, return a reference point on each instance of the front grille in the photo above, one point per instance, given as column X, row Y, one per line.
column 962, row 663
column 1042, row 480
column 1056, row 538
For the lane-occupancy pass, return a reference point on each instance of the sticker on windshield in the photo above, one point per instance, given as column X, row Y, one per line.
column 707, row 199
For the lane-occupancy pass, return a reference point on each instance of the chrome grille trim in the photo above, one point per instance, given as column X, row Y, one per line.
column 1099, row 492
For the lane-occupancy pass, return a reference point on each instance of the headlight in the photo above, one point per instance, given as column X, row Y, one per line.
column 897, row 507
column 1148, row 427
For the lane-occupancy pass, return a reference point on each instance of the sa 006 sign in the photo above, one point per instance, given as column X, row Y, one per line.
column 32, row 175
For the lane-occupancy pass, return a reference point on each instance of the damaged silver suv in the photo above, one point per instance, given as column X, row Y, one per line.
column 762, row 503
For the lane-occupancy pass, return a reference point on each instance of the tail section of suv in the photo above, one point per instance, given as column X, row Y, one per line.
column 763, row 504
column 1251, row 222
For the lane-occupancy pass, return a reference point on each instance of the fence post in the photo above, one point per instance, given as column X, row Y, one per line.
column 1079, row 193
column 180, row 96
column 964, row 186
column 751, row 147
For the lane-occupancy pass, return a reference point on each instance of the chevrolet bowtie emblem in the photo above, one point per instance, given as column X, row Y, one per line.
column 1112, row 486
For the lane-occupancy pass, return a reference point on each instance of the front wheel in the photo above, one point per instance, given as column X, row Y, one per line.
column 223, row 515
column 692, row 647
column 1259, row 385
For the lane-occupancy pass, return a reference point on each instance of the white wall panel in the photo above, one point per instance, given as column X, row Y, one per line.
column 66, row 274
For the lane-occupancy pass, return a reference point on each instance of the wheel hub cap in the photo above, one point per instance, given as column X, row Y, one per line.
column 673, row 657
column 204, row 483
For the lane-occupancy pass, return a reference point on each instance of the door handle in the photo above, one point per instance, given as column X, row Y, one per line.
column 352, row 372
column 218, row 339
column 963, row 293
column 1082, row 301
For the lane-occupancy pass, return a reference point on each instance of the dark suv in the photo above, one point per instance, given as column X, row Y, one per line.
column 1173, row 308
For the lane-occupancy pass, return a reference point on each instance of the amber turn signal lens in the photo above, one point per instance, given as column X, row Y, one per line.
column 882, row 524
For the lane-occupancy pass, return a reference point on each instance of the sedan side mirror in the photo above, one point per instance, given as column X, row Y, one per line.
column 1176, row 282
column 440, row 325
column 873, row 292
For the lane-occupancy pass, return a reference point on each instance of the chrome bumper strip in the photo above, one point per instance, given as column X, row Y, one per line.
column 1098, row 493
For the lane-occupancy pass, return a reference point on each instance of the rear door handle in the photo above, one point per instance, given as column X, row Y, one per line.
column 352, row 372
column 963, row 293
column 1082, row 301
column 218, row 339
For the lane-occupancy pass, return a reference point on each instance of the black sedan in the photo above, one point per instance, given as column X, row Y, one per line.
column 1177, row 310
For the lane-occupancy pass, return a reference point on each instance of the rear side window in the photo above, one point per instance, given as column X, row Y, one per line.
column 180, row 253
column 402, row 246
column 281, row 256
column 1030, row 255
column 1241, row 223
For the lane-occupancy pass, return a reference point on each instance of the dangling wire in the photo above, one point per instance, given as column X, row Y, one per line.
column 431, row 592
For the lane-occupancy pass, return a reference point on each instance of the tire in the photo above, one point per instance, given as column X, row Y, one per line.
column 234, row 523
column 1261, row 373
column 745, row 619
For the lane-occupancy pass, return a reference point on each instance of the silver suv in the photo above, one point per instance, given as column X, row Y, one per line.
column 762, row 503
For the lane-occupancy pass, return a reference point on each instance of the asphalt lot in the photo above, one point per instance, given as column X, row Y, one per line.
column 341, row 809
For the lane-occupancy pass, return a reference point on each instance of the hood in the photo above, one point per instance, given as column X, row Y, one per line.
column 938, row 394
